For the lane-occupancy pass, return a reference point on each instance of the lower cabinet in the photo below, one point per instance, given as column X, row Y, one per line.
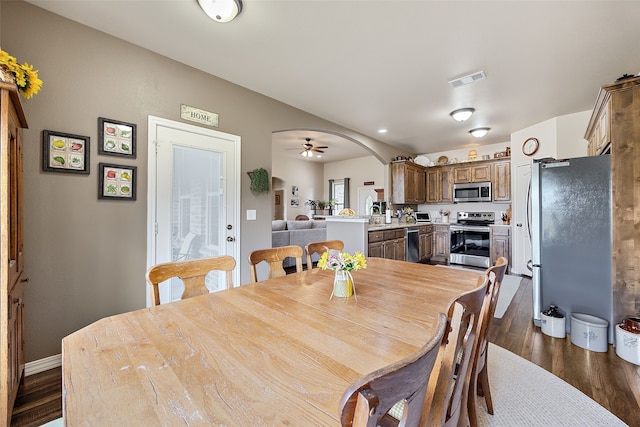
column 391, row 244
column 441, row 244
column 500, row 243
column 425, row 234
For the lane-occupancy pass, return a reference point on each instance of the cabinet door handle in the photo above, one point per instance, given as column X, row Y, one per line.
column 25, row 280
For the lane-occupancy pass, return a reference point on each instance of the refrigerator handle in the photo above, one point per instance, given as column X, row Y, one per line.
column 537, row 297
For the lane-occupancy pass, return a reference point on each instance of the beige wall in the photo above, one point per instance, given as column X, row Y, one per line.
column 307, row 176
column 360, row 170
column 86, row 258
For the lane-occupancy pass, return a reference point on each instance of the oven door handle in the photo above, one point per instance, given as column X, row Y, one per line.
column 469, row 228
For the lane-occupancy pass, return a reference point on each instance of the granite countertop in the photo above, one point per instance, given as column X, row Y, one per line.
column 376, row 227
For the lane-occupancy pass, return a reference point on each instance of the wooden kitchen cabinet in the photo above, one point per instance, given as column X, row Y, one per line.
column 599, row 131
column 395, row 244
column 439, row 184
column 477, row 173
column 376, row 244
column 501, row 181
column 614, row 128
column 441, row 244
column 408, row 183
column 12, row 121
column 425, row 235
column 500, row 243
column 389, row 244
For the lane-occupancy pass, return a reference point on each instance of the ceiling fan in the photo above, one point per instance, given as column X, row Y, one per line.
column 309, row 149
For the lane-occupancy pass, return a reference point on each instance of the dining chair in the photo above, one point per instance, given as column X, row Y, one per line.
column 302, row 218
column 192, row 273
column 479, row 375
column 274, row 257
column 446, row 400
column 368, row 400
column 320, row 248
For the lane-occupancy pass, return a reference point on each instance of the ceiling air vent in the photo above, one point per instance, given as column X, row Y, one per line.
column 474, row 77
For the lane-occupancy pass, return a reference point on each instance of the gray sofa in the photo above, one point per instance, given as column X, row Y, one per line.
column 299, row 233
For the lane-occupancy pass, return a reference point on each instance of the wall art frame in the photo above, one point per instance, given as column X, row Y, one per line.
column 65, row 152
column 116, row 138
column 117, row 182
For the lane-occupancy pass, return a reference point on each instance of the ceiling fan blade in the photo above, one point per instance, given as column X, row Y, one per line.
column 317, row 151
column 322, row 146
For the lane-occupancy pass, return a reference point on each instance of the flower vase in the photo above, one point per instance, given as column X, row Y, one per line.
column 342, row 284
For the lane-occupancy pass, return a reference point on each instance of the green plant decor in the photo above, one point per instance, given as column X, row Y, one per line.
column 259, row 180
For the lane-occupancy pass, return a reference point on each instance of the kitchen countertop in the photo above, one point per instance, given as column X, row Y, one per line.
column 378, row 227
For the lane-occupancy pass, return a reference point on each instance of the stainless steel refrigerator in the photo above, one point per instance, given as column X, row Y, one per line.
column 570, row 203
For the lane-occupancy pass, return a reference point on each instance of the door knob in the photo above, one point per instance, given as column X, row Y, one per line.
column 519, row 224
column 231, row 239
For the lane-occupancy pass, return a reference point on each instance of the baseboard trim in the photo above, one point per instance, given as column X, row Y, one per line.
column 42, row 365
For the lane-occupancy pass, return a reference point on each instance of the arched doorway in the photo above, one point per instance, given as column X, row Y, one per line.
column 304, row 178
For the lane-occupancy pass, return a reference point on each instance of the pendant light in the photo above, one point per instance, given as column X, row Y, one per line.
column 221, row 10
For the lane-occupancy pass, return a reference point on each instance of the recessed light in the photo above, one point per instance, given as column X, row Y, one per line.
column 462, row 114
column 479, row 132
column 382, row 131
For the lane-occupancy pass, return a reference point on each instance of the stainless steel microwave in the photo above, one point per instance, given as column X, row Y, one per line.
column 472, row 192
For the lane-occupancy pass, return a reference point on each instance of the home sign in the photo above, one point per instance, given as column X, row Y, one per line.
column 199, row 116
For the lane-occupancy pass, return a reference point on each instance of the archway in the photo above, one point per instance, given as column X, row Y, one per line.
column 342, row 156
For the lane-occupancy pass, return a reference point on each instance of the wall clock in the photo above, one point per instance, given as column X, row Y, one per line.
column 530, row 146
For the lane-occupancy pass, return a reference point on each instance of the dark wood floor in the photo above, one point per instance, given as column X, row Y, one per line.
column 609, row 380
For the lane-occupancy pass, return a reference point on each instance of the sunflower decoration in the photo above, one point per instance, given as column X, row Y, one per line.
column 24, row 76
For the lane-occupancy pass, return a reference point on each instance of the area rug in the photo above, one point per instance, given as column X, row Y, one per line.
column 524, row 394
column 508, row 289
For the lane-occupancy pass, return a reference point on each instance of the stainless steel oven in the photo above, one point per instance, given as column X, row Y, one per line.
column 470, row 239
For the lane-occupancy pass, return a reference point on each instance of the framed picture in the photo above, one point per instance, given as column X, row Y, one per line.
column 116, row 138
column 117, row 182
column 294, row 190
column 277, row 199
column 64, row 152
column 295, row 203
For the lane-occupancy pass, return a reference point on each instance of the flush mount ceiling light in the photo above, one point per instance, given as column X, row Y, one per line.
column 221, row 10
column 479, row 132
column 462, row 114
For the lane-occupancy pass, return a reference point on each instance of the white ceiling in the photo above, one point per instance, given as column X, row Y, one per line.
column 386, row 64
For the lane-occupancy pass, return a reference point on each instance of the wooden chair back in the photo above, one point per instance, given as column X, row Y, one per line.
column 274, row 257
column 320, row 248
column 367, row 401
column 447, row 395
column 479, row 375
column 192, row 273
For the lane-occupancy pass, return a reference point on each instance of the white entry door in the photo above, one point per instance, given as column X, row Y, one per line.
column 193, row 200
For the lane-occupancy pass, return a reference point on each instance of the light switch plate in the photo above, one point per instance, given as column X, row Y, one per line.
column 251, row 214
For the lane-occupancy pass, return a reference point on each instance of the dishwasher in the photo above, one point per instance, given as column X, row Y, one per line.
column 413, row 244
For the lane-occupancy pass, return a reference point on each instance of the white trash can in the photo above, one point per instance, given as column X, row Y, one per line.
column 552, row 323
column 628, row 345
column 589, row 332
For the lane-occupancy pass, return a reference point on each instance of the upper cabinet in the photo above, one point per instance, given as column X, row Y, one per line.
column 408, row 183
column 501, row 181
column 440, row 184
column 599, row 129
column 614, row 129
column 479, row 173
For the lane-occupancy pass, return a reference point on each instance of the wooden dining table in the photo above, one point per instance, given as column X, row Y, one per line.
column 274, row 353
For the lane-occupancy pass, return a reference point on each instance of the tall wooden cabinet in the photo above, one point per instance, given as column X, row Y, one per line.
column 615, row 128
column 12, row 120
column 407, row 183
